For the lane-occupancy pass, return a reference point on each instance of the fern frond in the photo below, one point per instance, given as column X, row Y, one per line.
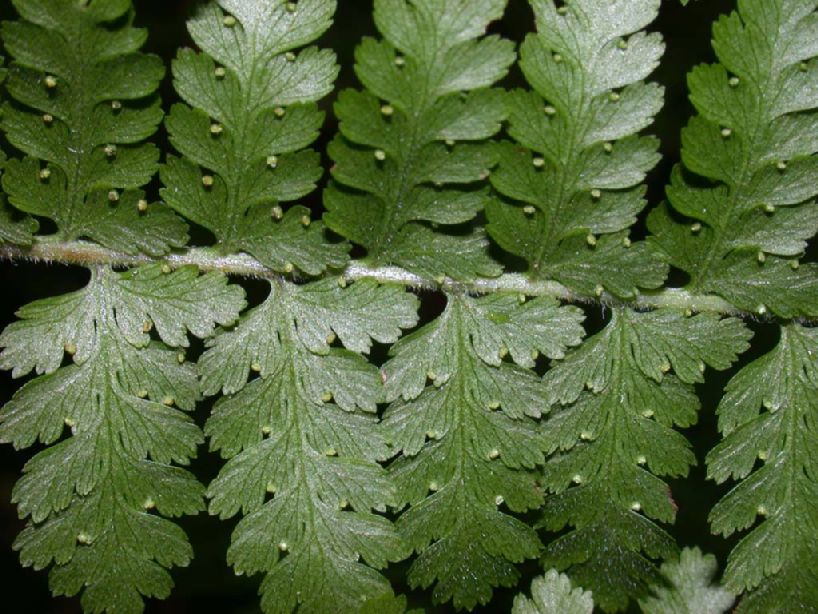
column 11, row 230
column 419, row 159
column 768, row 418
column 621, row 393
column 97, row 500
column 463, row 419
column 388, row 604
column 690, row 588
column 304, row 443
column 755, row 142
column 244, row 141
column 553, row 594
column 85, row 102
column 14, row 231
column 571, row 204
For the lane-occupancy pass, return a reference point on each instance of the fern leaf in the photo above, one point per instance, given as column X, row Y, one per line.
column 612, row 438
column 768, row 415
column 304, row 444
column 252, row 115
column 418, row 160
column 86, row 101
column 465, row 468
column 14, row 231
column 388, row 604
column 553, row 594
column 97, row 501
column 572, row 177
column 754, row 141
column 690, row 589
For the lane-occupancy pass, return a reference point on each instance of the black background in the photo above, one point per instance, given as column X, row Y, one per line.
column 208, row 584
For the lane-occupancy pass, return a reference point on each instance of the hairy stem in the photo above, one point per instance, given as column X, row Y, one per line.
column 83, row 253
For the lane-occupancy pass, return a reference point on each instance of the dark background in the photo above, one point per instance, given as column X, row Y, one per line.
column 208, row 584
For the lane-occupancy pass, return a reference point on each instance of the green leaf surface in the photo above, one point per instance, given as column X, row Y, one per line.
column 552, row 594
column 617, row 398
column 412, row 153
column 449, row 464
column 85, row 102
column 114, row 422
column 463, row 419
column 303, row 442
column 770, row 440
column 572, row 176
column 388, row 604
column 249, row 117
column 753, row 144
column 15, row 231
column 12, row 230
column 690, row 588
